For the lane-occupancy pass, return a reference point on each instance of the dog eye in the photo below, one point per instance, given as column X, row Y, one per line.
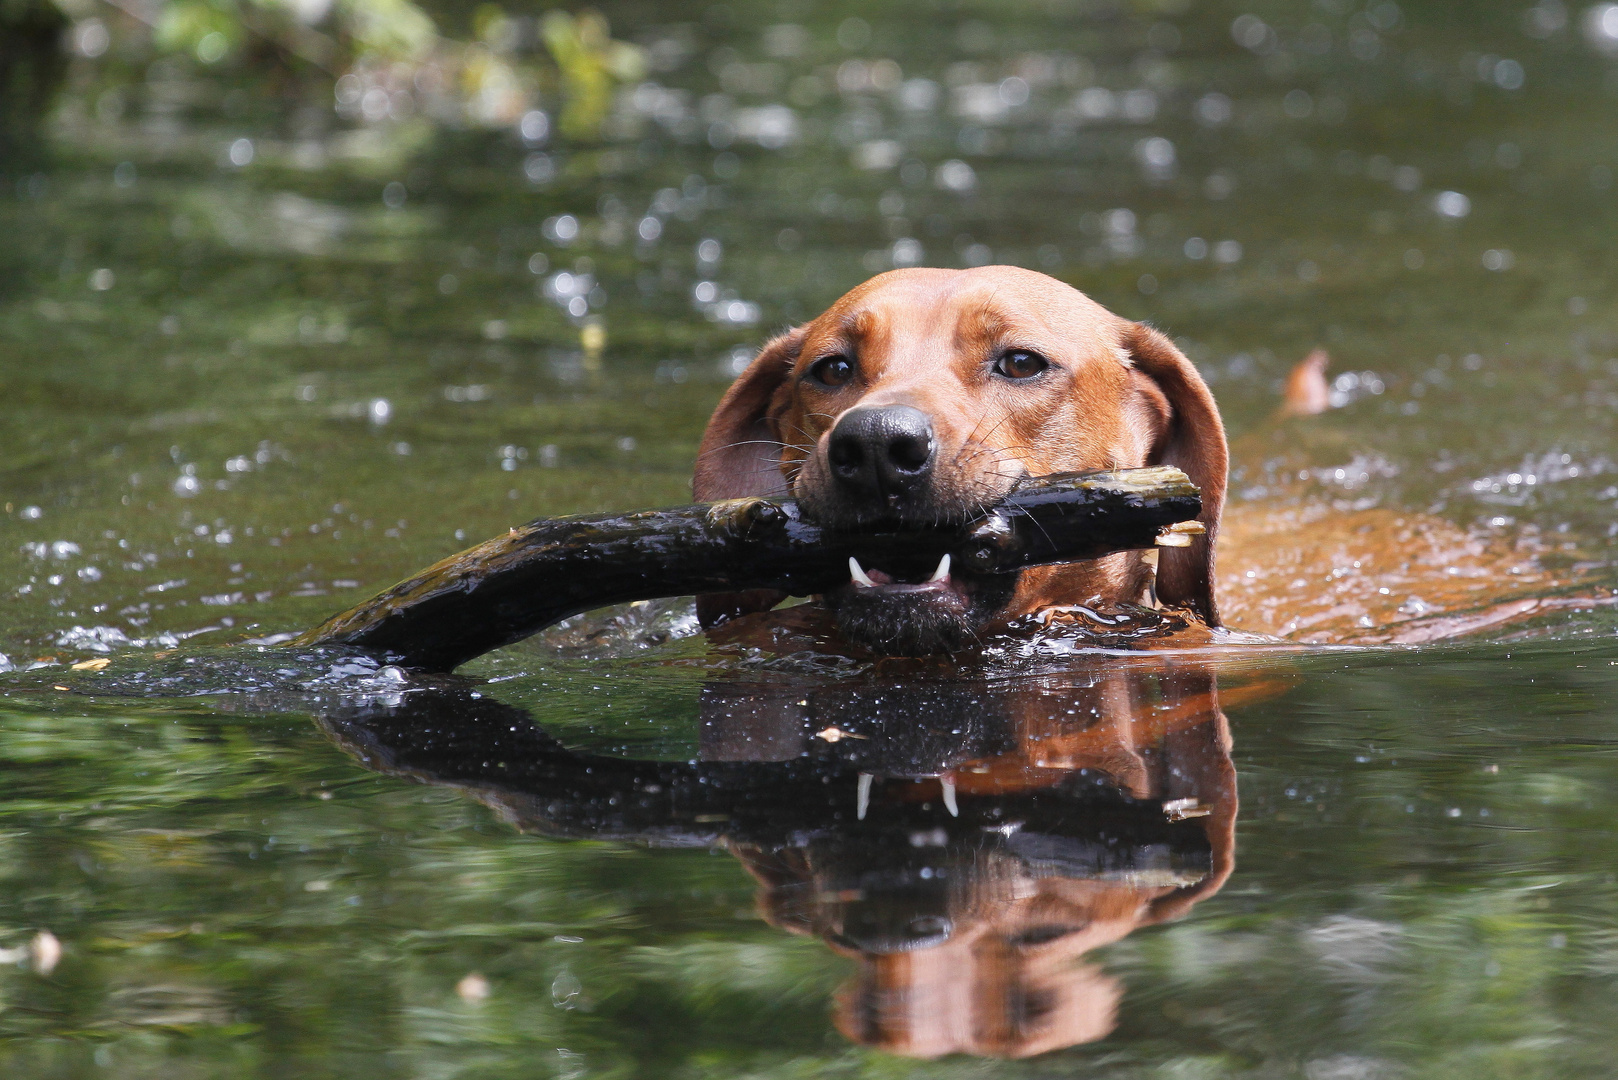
column 831, row 370
column 1020, row 364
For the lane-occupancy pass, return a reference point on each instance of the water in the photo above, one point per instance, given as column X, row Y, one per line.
column 247, row 384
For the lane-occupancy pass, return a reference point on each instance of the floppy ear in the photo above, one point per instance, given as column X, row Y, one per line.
column 740, row 452
column 1193, row 439
column 740, row 456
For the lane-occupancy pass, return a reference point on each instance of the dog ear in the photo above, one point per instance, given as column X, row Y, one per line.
column 740, row 456
column 740, row 451
column 1192, row 438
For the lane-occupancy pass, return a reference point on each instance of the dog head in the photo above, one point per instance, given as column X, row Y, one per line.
column 923, row 396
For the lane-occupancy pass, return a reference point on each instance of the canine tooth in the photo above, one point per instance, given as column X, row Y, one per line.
column 863, row 796
column 942, row 573
column 861, row 578
column 948, row 784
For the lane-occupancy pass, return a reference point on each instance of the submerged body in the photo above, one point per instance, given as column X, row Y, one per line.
column 915, row 428
column 922, row 393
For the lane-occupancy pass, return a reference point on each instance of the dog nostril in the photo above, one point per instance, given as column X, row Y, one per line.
column 845, row 455
column 910, row 453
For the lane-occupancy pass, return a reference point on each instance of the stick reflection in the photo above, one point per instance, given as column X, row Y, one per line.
column 966, row 843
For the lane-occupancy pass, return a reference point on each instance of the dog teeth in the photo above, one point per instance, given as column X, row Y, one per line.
column 862, row 794
column 861, row 578
column 948, row 785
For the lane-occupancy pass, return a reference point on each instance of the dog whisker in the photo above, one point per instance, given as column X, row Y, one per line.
column 997, row 451
column 749, row 442
column 984, row 441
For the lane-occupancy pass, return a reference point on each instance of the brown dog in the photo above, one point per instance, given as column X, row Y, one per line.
column 924, row 394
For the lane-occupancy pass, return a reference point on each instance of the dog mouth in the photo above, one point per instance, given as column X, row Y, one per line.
column 916, row 614
column 883, row 583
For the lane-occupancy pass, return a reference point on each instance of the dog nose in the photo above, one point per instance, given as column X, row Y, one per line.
column 881, row 451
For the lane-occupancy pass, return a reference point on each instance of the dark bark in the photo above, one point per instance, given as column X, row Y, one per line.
column 515, row 585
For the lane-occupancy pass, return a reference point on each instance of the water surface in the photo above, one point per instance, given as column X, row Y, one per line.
column 245, row 387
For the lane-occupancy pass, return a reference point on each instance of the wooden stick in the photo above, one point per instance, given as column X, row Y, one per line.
column 515, row 585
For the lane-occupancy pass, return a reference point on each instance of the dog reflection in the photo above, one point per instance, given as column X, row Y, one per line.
column 965, row 841
column 969, row 940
